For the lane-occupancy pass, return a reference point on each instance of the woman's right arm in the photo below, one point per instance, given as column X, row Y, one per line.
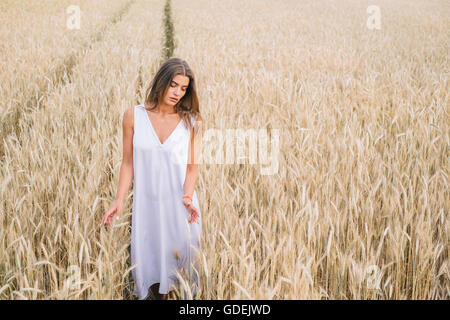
column 126, row 169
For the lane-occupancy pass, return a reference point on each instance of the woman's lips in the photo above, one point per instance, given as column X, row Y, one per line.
column 173, row 99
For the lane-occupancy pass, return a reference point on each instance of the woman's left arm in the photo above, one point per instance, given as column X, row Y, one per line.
column 192, row 165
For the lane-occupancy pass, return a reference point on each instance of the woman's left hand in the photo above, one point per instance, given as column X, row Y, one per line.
column 193, row 211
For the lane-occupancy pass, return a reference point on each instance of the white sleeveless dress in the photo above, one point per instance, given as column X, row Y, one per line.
column 162, row 240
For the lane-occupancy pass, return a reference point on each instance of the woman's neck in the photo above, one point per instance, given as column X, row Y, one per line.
column 165, row 109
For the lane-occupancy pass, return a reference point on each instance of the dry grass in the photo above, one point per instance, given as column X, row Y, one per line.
column 39, row 51
column 363, row 116
column 59, row 174
column 363, row 177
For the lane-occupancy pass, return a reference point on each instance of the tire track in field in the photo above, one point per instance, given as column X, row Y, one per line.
column 62, row 76
column 168, row 46
column 167, row 50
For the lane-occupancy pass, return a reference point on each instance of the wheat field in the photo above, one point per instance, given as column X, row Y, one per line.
column 358, row 207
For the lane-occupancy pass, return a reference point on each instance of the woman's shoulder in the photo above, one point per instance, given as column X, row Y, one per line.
column 195, row 117
column 196, row 122
column 128, row 116
column 192, row 119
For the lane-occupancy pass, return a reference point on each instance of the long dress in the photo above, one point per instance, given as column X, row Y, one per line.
column 162, row 240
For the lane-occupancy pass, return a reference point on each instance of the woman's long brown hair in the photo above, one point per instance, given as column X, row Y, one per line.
column 188, row 105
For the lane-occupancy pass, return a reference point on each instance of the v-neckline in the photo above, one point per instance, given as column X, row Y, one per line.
column 154, row 131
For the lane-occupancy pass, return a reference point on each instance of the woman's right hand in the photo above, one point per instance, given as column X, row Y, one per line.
column 114, row 211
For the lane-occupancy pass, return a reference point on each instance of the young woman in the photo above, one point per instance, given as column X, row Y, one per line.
column 161, row 144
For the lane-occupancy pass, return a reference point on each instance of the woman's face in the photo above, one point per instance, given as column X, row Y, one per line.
column 176, row 90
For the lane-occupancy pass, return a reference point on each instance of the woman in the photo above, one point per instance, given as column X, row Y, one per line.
column 161, row 143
